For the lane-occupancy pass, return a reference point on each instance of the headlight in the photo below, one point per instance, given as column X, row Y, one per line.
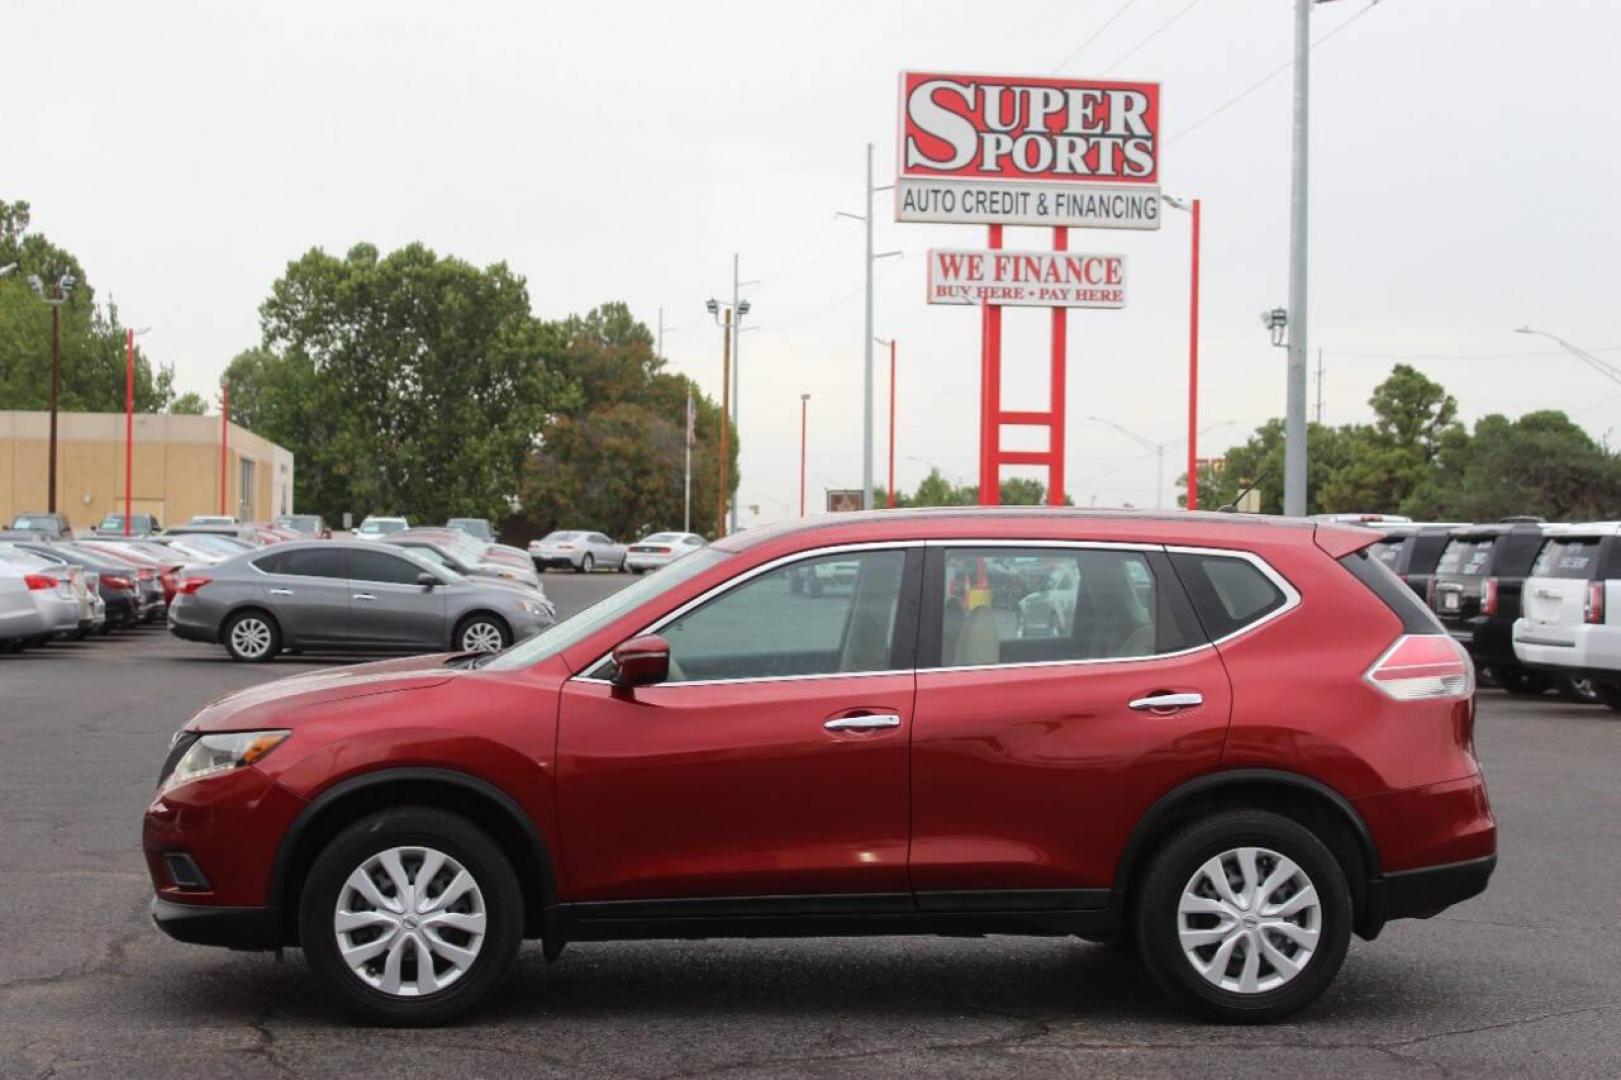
column 212, row 754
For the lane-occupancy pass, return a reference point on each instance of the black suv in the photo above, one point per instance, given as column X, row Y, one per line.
column 1411, row 552
column 1476, row 594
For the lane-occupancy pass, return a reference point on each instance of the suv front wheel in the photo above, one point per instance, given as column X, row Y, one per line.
column 1244, row 917
column 411, row 917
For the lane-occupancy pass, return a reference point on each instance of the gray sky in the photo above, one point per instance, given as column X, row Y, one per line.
column 1462, row 172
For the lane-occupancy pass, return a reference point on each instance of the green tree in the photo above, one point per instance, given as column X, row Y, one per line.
column 1540, row 464
column 92, row 357
column 1383, row 463
column 404, row 383
column 188, row 404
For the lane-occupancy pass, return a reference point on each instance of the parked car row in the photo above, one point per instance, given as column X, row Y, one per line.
column 584, row 551
column 1523, row 596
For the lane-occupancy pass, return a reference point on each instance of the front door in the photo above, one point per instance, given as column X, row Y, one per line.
column 390, row 608
column 1037, row 743
column 307, row 589
column 770, row 769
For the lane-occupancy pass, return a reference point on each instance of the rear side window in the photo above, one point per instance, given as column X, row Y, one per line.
column 1465, row 557
column 1228, row 593
column 1575, row 557
column 1415, row 617
column 1047, row 605
column 306, row 562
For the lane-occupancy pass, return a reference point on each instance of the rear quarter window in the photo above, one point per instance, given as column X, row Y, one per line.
column 1415, row 617
column 1228, row 592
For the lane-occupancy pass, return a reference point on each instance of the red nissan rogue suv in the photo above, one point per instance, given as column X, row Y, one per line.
column 1228, row 742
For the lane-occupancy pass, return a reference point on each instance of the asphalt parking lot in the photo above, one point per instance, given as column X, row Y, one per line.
column 1523, row 981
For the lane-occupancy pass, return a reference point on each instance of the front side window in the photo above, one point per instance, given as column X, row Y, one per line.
column 387, row 569
column 1047, row 605
column 831, row 615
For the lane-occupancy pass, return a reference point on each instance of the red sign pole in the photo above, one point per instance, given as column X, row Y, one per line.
column 225, row 437
column 1193, row 370
column 990, row 443
column 1055, row 443
column 129, row 421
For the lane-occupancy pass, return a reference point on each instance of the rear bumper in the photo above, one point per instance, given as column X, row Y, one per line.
column 1585, row 649
column 1419, row 894
column 233, row 928
column 548, row 562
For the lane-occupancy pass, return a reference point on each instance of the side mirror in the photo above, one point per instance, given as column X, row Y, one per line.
column 427, row 580
column 641, row 661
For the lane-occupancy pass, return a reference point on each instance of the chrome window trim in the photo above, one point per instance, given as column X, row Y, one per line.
column 743, row 578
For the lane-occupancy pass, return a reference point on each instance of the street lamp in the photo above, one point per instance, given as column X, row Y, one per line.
column 1603, row 367
column 722, row 314
column 1276, row 320
column 58, row 295
column 1159, row 451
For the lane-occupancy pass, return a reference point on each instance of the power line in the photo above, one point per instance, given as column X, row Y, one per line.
column 819, row 312
column 1156, row 33
column 1264, row 79
column 787, row 266
column 1076, row 51
column 1458, row 356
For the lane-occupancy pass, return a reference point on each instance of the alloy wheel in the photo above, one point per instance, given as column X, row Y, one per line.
column 482, row 637
column 1249, row 920
column 250, row 637
column 410, row 921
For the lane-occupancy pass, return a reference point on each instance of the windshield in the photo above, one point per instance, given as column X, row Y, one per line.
column 558, row 537
column 33, row 521
column 578, row 627
column 662, row 538
column 375, row 526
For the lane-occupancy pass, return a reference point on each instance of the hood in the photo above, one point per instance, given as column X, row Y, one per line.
column 278, row 703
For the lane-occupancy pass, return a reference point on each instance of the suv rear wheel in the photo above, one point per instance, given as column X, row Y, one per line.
column 411, row 917
column 1608, row 691
column 1244, row 917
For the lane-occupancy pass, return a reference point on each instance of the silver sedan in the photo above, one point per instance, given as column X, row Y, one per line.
column 348, row 596
column 578, row 550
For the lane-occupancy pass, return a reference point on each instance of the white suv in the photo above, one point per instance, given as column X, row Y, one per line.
column 1570, row 619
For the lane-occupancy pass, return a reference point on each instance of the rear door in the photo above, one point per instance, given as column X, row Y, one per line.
column 1554, row 596
column 389, row 608
column 1061, row 690
column 307, row 589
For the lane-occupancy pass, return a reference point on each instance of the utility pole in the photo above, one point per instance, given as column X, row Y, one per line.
column 725, row 421
column 129, row 423
column 56, row 390
column 804, row 407
column 866, row 409
column 737, row 367
column 1294, row 445
column 1148, row 444
column 661, row 333
column 225, row 441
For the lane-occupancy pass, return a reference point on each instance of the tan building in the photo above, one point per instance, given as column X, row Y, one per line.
column 176, row 468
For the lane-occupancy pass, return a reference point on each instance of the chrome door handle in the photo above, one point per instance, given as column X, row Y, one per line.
column 281, row 592
column 863, row 723
column 363, row 596
column 1155, row 702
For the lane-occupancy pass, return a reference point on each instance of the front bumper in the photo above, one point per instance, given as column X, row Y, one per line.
column 231, row 927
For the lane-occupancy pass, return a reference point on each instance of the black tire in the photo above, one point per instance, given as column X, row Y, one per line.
column 1608, row 691
column 404, row 827
column 1174, row 865
column 1577, row 690
column 490, row 623
column 587, row 564
column 624, row 564
column 228, row 636
column 637, row 570
column 1518, row 680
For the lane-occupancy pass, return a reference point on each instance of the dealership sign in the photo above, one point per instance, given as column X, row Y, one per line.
column 1027, row 278
column 1012, row 150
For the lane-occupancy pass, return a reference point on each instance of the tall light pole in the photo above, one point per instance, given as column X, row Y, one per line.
column 867, row 392
column 1294, row 428
column 742, row 308
column 225, row 441
column 1192, row 208
column 662, row 329
column 686, row 501
column 723, row 318
column 56, row 297
column 804, row 407
column 1603, row 367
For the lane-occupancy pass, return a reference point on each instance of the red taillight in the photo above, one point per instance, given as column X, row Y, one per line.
column 659, row 550
column 1593, row 609
column 40, row 581
column 188, row 586
column 1423, row 667
column 1488, row 596
column 117, row 581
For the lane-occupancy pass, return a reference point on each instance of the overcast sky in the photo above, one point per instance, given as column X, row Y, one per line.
column 1463, row 181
